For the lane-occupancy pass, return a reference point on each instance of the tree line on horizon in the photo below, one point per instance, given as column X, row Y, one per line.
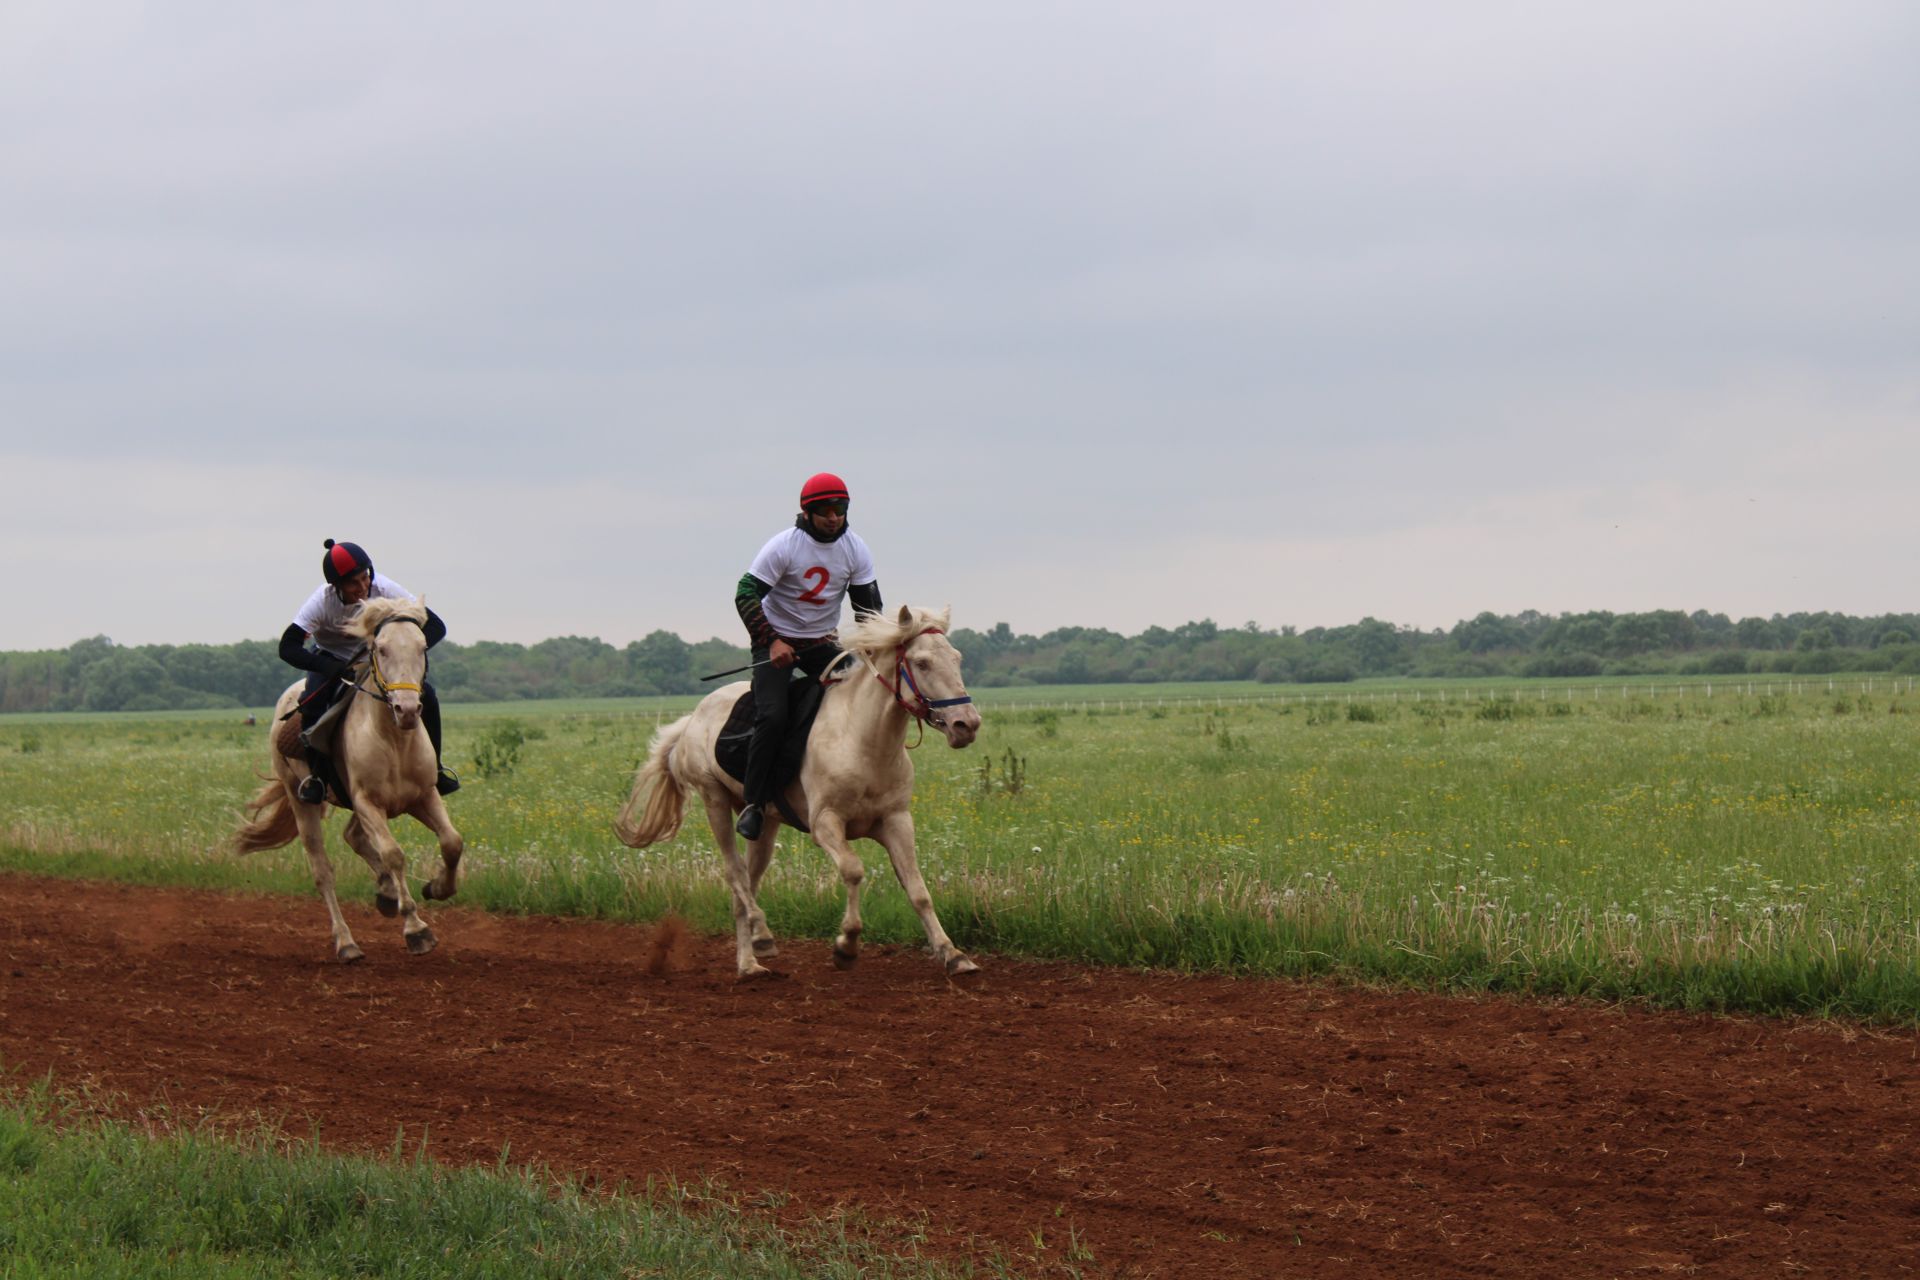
column 98, row 675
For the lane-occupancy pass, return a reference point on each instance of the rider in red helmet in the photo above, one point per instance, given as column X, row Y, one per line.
column 350, row 583
column 790, row 601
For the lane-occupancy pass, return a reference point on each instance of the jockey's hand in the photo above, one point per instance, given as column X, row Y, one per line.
column 781, row 654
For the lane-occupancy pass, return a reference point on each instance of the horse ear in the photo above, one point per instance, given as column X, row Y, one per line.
column 906, row 616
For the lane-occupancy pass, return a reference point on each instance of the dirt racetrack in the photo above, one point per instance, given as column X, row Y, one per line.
column 1172, row 1126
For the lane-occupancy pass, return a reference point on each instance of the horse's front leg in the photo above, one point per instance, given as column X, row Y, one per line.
column 432, row 814
column 393, row 875
column 313, row 838
column 740, row 882
column 896, row 834
column 759, row 858
column 385, row 896
column 830, row 833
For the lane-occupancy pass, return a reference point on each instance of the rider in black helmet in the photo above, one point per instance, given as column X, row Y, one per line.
column 351, row 582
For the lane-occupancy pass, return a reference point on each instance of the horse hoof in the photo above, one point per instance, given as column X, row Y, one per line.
column 845, row 959
column 389, row 907
column 350, row 953
column 960, row 966
column 422, row 942
column 759, row 973
column 765, row 947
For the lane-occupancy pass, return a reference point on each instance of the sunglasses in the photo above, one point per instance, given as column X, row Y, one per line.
column 838, row 506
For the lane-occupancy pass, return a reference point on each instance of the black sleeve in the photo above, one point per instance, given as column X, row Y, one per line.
column 294, row 651
column 746, row 601
column 865, row 597
column 436, row 629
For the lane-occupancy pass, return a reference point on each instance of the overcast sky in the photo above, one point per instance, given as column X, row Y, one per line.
column 1110, row 314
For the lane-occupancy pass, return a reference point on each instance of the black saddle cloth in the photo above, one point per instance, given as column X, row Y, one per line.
column 730, row 750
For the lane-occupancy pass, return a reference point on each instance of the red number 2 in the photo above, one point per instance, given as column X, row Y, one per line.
column 819, row 576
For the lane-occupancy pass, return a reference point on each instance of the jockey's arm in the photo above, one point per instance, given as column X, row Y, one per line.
column 865, row 597
column 294, row 652
column 747, row 595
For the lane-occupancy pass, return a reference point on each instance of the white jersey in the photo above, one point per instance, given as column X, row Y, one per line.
column 809, row 579
column 325, row 617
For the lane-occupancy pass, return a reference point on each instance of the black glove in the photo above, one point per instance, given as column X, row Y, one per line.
column 331, row 667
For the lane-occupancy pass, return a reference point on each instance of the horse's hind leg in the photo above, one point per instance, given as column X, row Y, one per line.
column 896, row 834
column 393, row 859
column 313, row 839
column 740, row 884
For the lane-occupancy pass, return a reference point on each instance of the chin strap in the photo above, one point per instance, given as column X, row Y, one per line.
column 806, row 526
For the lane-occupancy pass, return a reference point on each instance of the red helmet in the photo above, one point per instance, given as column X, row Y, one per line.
column 343, row 560
column 822, row 488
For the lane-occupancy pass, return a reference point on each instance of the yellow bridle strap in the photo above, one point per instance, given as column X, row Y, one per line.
column 374, row 656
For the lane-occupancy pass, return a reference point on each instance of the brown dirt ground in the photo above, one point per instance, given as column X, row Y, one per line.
column 1176, row 1126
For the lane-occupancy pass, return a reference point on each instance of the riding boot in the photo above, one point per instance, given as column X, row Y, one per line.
column 311, row 789
column 752, row 820
column 446, row 781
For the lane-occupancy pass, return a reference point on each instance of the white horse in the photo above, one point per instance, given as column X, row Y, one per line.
column 855, row 782
column 389, row 770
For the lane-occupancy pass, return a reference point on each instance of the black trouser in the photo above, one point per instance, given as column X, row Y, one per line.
column 313, row 703
column 770, row 703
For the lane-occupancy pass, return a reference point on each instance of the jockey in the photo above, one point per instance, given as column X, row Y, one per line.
column 790, row 601
column 351, row 582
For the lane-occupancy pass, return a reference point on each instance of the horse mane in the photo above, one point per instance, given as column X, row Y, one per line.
column 878, row 634
column 375, row 612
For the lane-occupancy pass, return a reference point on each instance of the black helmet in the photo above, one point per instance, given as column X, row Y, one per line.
column 343, row 560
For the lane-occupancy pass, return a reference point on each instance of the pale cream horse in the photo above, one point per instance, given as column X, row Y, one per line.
column 388, row 762
column 856, row 781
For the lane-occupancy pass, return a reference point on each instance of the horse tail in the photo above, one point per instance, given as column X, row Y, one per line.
column 665, row 794
column 269, row 822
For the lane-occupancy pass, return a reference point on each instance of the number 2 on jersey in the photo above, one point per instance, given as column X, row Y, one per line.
column 819, row 577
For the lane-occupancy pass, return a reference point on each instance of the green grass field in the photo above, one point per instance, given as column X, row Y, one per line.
column 1750, row 848
column 88, row 1197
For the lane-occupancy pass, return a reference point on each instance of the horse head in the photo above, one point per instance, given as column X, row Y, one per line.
column 927, row 668
column 396, row 639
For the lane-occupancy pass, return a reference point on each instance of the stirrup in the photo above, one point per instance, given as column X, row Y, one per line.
column 751, row 822
column 312, row 790
column 448, row 782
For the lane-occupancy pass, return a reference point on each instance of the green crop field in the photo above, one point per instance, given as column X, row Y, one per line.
column 1730, row 847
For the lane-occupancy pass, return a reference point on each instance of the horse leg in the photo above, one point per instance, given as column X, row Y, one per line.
column 362, row 843
column 740, row 884
column 830, row 833
column 432, row 814
column 313, row 838
column 896, row 834
column 759, row 858
column 413, row 927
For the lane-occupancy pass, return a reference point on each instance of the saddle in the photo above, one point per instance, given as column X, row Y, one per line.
column 314, row 744
column 730, row 748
